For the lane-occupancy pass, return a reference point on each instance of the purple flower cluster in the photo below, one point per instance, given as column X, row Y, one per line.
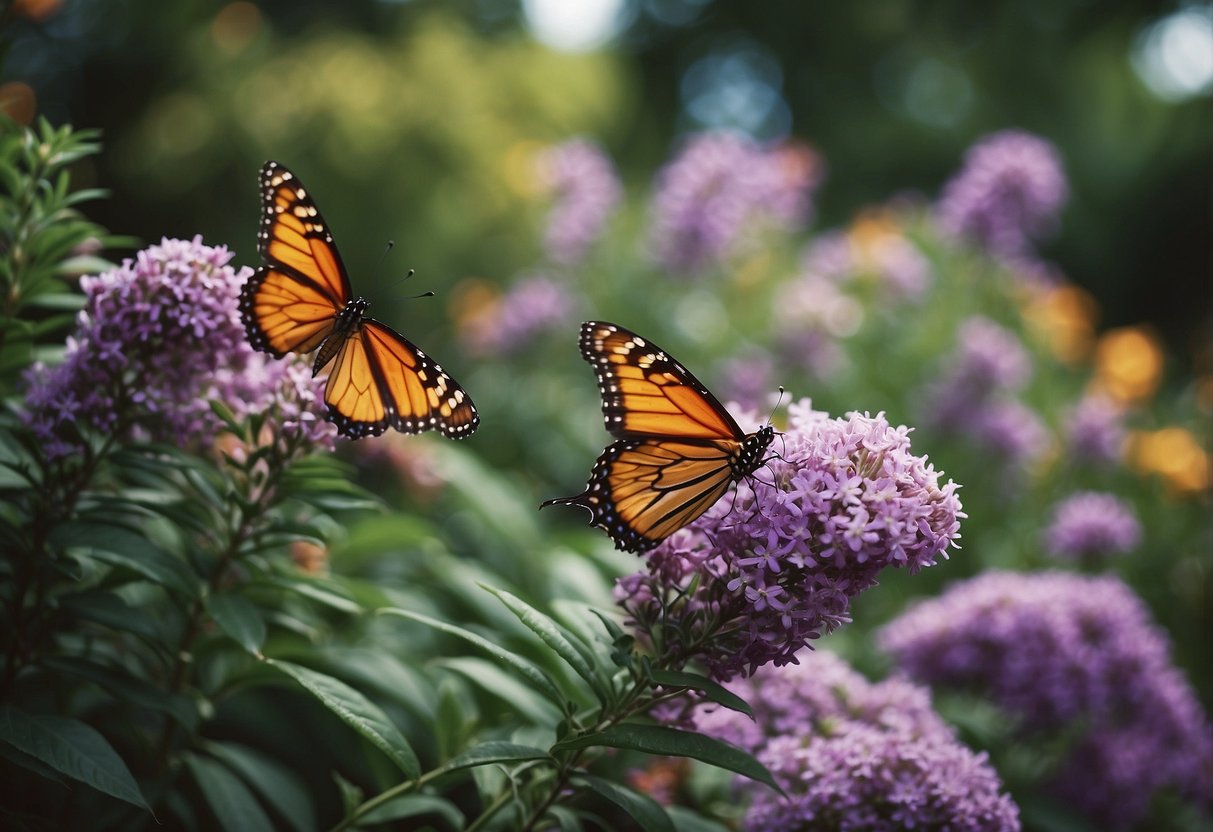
column 721, row 187
column 158, row 339
column 874, row 249
column 1090, row 526
column 1095, row 429
column 587, row 192
column 1008, row 194
column 532, row 305
column 759, row 575
column 852, row 755
column 1060, row 650
column 977, row 393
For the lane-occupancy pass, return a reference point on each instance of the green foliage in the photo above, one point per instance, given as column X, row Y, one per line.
column 44, row 239
column 443, row 657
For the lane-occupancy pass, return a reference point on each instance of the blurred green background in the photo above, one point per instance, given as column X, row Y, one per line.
column 412, row 120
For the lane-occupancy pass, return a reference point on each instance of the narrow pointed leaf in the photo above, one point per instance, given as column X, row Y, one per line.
column 278, row 786
column 239, row 619
column 644, row 810
column 488, row 753
column 671, row 742
column 230, row 800
column 414, row 805
column 72, row 748
column 552, row 635
column 713, row 691
column 541, row 681
column 497, row 682
column 358, row 712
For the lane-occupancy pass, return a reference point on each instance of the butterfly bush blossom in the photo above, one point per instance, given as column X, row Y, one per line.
column 1089, row 526
column 159, row 338
column 1007, row 195
column 1095, row 430
column 759, row 575
column 976, row 394
column 721, row 186
column 587, row 192
column 1058, row 651
column 532, row 305
column 852, row 755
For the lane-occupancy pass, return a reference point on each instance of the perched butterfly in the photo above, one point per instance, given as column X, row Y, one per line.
column 677, row 448
column 300, row 300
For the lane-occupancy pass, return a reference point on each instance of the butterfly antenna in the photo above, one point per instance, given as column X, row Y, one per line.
column 778, row 402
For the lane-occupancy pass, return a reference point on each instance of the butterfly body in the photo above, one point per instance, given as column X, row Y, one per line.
column 677, row 450
column 300, row 300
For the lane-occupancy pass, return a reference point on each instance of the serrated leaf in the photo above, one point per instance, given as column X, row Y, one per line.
column 414, row 805
column 671, row 742
column 278, row 786
column 541, row 681
column 72, row 748
column 239, row 619
column 230, row 800
column 712, row 690
column 358, row 712
column 552, row 635
column 644, row 810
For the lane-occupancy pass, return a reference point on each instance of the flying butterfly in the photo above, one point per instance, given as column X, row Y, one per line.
column 677, row 449
column 300, row 300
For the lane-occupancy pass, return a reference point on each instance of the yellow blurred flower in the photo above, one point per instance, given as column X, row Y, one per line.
column 1128, row 364
column 869, row 233
column 1174, row 454
column 1063, row 318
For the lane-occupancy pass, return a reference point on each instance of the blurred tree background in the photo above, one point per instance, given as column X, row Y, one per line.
column 413, row 120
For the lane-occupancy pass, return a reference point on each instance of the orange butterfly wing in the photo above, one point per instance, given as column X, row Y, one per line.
column 380, row 380
column 300, row 301
column 678, row 449
column 290, row 304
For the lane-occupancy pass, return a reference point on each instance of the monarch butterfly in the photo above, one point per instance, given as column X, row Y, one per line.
column 300, row 300
column 677, row 448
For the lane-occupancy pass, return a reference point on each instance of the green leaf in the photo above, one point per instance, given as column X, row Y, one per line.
column 498, row 683
column 713, row 691
column 110, row 610
column 72, row 748
column 124, row 687
column 230, row 800
column 323, row 594
column 238, row 618
column 671, row 742
column 686, row 820
column 124, row 547
column 278, row 786
column 414, row 805
column 644, row 810
column 541, row 681
column 488, row 753
column 552, row 635
column 358, row 712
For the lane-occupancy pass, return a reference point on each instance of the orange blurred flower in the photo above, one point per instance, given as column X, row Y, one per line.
column 1174, row 454
column 235, row 26
column 35, row 10
column 662, row 779
column 310, row 557
column 18, row 102
column 1063, row 317
column 1128, row 364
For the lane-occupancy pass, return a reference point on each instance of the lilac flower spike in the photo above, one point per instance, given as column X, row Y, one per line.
column 1095, row 430
column 777, row 566
column 852, row 755
column 587, row 193
column 1008, row 194
column 722, row 186
column 1090, row 526
column 1059, row 650
column 158, row 339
